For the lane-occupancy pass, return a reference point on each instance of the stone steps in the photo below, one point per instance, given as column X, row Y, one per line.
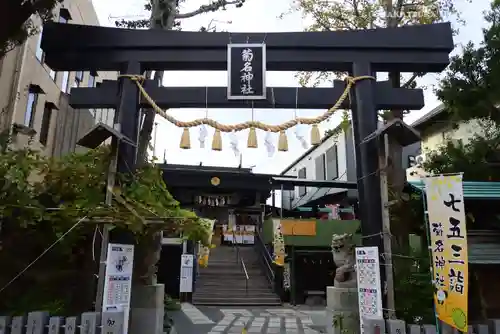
column 236, row 301
column 240, row 293
column 231, row 283
column 223, row 282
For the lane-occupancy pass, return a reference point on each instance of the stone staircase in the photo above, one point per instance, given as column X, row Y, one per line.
column 224, row 281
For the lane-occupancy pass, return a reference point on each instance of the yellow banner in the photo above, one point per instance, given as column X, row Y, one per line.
column 448, row 241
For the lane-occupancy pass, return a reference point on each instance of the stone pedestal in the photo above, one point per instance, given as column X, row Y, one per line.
column 147, row 309
column 342, row 310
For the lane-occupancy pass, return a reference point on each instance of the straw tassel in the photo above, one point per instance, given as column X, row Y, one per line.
column 282, row 142
column 217, row 141
column 185, row 140
column 315, row 136
column 252, row 138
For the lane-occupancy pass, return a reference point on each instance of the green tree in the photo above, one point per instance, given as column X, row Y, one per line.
column 165, row 15
column 469, row 89
column 331, row 15
column 57, row 204
column 469, row 93
column 15, row 29
column 478, row 158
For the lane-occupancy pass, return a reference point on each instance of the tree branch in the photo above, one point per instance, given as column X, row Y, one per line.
column 411, row 80
column 216, row 5
column 356, row 8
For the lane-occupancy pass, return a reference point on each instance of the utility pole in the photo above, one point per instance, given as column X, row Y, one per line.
column 107, row 227
column 386, row 230
column 123, row 158
column 404, row 135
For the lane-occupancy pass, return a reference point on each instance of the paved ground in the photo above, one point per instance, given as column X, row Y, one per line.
column 282, row 320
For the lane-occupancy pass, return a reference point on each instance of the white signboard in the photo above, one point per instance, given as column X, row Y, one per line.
column 118, row 283
column 187, row 262
column 369, row 289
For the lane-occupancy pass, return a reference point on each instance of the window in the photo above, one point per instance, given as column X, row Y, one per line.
column 78, row 78
column 40, row 55
column 39, row 52
column 412, row 161
column 64, row 15
column 65, row 82
column 29, row 115
column 320, row 167
column 92, row 76
column 44, row 129
column 302, row 175
column 332, row 167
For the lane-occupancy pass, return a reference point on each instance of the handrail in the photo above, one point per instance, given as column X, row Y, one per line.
column 236, row 246
column 266, row 256
column 246, row 275
column 240, row 259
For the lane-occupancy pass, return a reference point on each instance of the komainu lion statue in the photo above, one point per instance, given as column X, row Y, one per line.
column 345, row 260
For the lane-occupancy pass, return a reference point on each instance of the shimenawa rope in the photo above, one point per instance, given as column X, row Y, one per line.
column 351, row 81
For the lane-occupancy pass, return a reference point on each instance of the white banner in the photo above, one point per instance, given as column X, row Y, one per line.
column 118, row 280
column 186, row 281
column 369, row 286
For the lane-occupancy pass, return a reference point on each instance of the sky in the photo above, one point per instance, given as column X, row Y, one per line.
column 255, row 16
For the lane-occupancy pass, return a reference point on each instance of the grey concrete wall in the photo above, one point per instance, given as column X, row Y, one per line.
column 41, row 322
column 400, row 327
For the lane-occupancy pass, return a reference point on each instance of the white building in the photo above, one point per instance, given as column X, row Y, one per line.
column 334, row 160
column 436, row 128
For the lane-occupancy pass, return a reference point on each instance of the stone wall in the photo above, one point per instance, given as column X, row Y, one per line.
column 400, row 327
column 42, row 323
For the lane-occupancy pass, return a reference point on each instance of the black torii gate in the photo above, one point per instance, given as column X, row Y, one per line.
column 423, row 48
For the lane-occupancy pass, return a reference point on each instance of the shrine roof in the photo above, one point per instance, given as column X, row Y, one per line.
column 472, row 189
column 195, row 176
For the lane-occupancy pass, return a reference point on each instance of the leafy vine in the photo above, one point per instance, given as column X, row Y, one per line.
column 43, row 198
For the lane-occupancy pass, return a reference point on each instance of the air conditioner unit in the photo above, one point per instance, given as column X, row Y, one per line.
column 420, row 159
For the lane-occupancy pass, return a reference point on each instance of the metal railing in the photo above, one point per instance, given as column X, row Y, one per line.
column 265, row 257
column 236, row 248
column 246, row 275
column 240, row 260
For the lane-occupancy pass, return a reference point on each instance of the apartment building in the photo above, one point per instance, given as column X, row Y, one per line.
column 334, row 159
column 34, row 98
column 436, row 129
